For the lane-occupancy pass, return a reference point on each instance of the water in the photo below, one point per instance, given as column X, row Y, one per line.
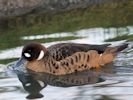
column 112, row 82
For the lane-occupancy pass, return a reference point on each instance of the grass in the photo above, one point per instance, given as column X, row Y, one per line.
column 17, row 42
column 6, row 61
column 103, row 15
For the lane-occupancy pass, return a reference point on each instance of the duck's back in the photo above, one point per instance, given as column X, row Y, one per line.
column 63, row 50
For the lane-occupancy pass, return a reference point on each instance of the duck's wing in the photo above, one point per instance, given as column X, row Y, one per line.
column 63, row 50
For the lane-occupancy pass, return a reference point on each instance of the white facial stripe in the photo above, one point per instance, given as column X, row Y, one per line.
column 41, row 55
column 41, row 83
column 27, row 55
column 28, row 84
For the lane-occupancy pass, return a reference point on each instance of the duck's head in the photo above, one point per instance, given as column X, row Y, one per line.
column 32, row 52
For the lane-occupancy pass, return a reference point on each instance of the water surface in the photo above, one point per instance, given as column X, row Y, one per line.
column 112, row 82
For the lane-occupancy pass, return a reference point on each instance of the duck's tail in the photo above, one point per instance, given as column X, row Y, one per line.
column 116, row 49
column 110, row 53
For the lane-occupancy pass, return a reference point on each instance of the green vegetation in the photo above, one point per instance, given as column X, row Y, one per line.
column 103, row 15
column 17, row 42
column 123, row 37
column 6, row 61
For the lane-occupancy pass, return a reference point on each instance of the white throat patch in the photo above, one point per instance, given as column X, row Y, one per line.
column 41, row 83
column 41, row 55
column 27, row 55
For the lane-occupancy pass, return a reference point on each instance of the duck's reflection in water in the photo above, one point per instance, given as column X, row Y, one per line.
column 75, row 79
column 35, row 82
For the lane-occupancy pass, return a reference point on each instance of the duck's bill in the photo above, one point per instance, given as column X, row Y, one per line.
column 19, row 67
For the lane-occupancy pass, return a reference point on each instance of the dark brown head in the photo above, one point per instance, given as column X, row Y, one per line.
column 32, row 55
column 33, row 51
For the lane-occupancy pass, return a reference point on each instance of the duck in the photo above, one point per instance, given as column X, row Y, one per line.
column 66, row 58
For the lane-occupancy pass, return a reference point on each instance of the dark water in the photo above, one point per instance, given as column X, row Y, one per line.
column 111, row 82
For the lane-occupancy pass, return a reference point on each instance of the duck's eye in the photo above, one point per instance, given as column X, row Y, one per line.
column 41, row 55
column 27, row 55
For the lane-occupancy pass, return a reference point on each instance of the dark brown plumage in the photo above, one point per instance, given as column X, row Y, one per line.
column 63, row 50
column 66, row 58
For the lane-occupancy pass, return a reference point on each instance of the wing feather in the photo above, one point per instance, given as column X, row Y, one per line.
column 63, row 50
